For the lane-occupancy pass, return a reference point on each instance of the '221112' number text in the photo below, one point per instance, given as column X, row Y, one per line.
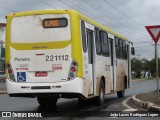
column 57, row 57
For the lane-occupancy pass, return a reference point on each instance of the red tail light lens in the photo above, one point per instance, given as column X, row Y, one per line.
column 10, row 71
column 73, row 69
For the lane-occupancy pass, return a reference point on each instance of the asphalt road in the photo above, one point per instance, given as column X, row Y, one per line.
column 2, row 85
column 112, row 103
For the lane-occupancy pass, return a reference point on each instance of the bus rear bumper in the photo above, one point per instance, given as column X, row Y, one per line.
column 68, row 89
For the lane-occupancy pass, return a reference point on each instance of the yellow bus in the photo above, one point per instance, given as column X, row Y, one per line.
column 52, row 54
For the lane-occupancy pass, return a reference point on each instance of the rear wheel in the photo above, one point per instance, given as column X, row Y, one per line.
column 47, row 100
column 81, row 101
column 121, row 94
column 100, row 98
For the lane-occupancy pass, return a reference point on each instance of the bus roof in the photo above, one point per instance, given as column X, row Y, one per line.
column 109, row 30
column 83, row 17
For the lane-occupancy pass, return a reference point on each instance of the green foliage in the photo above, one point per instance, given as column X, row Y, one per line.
column 152, row 66
column 139, row 65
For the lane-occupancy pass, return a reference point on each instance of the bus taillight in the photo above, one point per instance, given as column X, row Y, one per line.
column 73, row 70
column 74, row 63
column 10, row 72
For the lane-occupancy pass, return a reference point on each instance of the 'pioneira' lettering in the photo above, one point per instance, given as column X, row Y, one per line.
column 21, row 59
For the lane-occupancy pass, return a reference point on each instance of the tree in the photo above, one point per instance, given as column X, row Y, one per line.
column 145, row 64
column 136, row 66
column 152, row 66
column 139, row 65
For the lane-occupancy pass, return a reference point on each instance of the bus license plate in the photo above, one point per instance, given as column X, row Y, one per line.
column 41, row 74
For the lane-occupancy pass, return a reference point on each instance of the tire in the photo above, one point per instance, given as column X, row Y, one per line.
column 81, row 101
column 121, row 94
column 100, row 98
column 43, row 101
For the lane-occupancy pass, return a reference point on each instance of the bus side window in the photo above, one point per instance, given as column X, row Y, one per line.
column 98, row 42
column 90, row 46
column 117, row 48
column 83, row 32
column 116, row 42
column 124, row 50
column 105, row 45
column 121, row 48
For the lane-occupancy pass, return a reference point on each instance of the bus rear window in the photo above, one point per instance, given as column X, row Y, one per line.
column 40, row 28
column 55, row 22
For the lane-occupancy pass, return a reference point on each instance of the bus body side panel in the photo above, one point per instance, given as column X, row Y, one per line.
column 123, row 67
column 122, row 72
column 103, row 70
column 89, row 59
column 120, row 75
column 125, row 64
column 77, row 51
column 76, row 42
column 85, row 63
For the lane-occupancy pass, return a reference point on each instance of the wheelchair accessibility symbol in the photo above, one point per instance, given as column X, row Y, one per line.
column 21, row 77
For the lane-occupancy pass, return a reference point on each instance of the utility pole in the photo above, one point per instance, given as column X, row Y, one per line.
column 138, row 56
column 157, row 73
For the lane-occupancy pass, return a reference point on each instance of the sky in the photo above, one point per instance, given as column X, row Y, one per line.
column 128, row 17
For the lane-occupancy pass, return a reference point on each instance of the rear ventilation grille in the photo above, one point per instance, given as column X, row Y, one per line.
column 40, row 87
